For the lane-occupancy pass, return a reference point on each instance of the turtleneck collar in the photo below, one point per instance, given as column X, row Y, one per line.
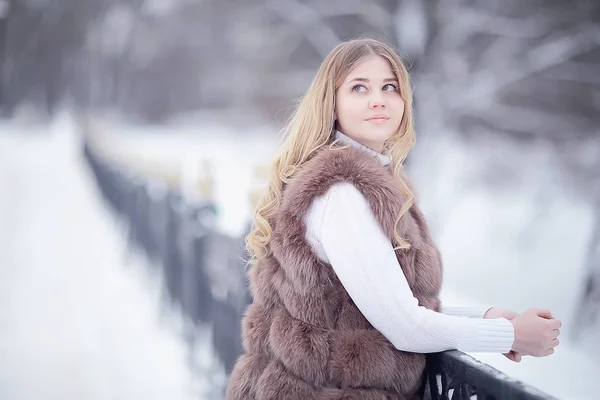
column 345, row 139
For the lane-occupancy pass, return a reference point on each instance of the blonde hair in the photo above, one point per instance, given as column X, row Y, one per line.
column 310, row 128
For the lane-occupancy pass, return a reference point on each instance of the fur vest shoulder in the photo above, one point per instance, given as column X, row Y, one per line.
column 304, row 339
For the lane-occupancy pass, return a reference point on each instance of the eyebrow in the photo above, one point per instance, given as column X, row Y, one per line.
column 366, row 80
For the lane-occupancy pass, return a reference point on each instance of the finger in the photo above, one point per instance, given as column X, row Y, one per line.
column 543, row 312
column 555, row 324
column 512, row 356
column 548, row 352
column 555, row 343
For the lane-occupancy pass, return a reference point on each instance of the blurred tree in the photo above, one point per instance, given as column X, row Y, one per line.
column 278, row 45
column 43, row 40
column 511, row 67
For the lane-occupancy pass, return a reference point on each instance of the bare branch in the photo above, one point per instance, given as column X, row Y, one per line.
column 374, row 14
column 577, row 72
column 309, row 23
column 508, row 27
column 455, row 32
column 527, row 120
column 484, row 86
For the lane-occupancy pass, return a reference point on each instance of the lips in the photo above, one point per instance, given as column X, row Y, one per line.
column 378, row 118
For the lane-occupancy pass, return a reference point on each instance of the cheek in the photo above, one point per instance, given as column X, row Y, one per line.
column 398, row 109
column 347, row 110
column 400, row 114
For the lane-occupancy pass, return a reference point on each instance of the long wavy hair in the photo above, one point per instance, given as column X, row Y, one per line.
column 310, row 128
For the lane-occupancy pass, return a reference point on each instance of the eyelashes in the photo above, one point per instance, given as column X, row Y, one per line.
column 358, row 88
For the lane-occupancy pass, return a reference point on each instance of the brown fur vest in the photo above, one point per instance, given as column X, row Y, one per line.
column 303, row 336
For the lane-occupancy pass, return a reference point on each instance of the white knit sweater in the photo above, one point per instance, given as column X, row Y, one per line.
column 343, row 231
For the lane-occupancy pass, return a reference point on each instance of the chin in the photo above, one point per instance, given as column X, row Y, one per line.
column 382, row 135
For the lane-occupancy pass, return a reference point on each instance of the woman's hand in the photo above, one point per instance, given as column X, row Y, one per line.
column 536, row 332
column 495, row 312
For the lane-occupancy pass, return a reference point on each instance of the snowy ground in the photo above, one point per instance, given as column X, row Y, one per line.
column 76, row 323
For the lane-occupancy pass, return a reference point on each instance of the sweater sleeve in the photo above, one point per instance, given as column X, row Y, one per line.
column 352, row 241
column 465, row 311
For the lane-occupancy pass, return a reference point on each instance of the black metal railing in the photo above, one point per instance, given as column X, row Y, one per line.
column 204, row 277
column 458, row 376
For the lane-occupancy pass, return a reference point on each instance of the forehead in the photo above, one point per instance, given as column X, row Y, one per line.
column 372, row 68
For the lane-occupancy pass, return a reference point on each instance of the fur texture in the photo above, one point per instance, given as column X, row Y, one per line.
column 303, row 336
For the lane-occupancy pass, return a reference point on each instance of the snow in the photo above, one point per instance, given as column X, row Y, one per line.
column 78, row 321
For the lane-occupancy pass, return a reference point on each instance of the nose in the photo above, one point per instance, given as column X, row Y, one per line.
column 377, row 102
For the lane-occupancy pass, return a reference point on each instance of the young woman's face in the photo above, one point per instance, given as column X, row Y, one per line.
column 368, row 106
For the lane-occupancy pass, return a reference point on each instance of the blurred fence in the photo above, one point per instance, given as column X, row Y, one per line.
column 204, row 277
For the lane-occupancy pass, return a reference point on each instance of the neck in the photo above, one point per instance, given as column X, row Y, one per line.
column 345, row 139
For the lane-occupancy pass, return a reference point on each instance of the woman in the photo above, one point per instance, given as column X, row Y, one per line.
column 345, row 277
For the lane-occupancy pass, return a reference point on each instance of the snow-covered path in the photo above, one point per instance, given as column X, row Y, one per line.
column 75, row 322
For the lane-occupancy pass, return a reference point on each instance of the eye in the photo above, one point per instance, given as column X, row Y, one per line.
column 390, row 85
column 357, row 88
